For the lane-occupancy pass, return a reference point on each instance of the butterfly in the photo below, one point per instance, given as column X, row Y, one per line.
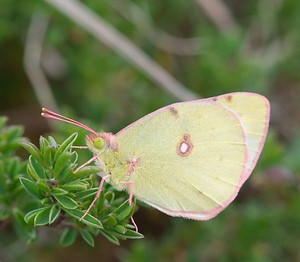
column 187, row 159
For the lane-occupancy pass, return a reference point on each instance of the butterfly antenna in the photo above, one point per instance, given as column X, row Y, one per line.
column 52, row 115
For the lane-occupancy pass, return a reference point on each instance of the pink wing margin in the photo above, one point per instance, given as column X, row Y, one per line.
column 246, row 171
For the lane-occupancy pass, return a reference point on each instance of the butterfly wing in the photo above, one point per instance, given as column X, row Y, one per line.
column 192, row 157
column 254, row 113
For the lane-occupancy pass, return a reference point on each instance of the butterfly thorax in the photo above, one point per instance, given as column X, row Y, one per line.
column 109, row 159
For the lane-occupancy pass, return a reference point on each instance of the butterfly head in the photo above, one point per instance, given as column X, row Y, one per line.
column 101, row 141
column 95, row 142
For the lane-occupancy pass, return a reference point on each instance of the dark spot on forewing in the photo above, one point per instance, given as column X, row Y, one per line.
column 228, row 98
column 173, row 111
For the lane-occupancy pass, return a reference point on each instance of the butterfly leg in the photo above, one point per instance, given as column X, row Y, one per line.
column 130, row 184
column 80, row 147
column 96, row 197
column 86, row 163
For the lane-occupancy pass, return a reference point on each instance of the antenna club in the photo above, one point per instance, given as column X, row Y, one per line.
column 44, row 111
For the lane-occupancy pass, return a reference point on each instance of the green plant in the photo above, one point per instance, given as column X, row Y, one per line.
column 51, row 194
column 13, row 201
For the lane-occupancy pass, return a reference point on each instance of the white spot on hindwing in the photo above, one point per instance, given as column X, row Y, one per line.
column 185, row 146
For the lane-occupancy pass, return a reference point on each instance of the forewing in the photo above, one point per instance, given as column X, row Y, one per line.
column 191, row 158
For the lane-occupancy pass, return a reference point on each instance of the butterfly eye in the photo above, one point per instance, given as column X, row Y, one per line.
column 98, row 143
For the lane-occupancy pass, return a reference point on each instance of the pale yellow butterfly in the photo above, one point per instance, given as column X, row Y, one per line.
column 187, row 159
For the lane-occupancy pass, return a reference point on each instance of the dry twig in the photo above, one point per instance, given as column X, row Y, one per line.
column 115, row 40
column 158, row 37
column 219, row 14
column 32, row 58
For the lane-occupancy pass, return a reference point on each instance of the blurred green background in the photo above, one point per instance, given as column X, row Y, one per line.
column 211, row 47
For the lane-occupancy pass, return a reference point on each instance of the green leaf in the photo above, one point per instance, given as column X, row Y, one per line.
column 68, row 237
column 120, row 229
column 111, row 220
column 87, row 171
column 74, row 157
column 88, row 193
column 29, row 217
column 36, row 167
column 31, row 172
column 54, row 213
column 129, row 226
column 124, row 211
column 43, row 184
column 88, row 219
column 31, row 187
column 46, row 201
column 110, row 237
column 109, row 196
column 66, row 145
column 42, row 217
column 62, row 162
column 52, row 142
column 66, row 202
column 48, row 154
column 57, row 191
column 87, row 237
column 33, row 150
column 131, row 234
column 76, row 186
column 44, row 144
